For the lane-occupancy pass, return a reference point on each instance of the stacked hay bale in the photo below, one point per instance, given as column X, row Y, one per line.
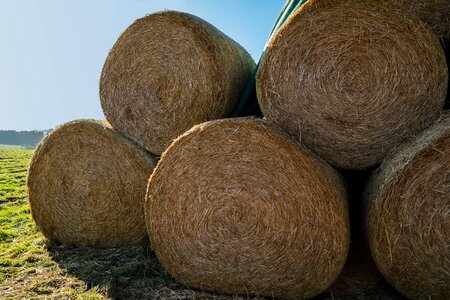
column 352, row 79
column 235, row 206
column 168, row 72
column 86, row 185
column 407, row 218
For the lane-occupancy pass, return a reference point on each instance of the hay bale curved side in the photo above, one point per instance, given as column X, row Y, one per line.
column 168, row 72
column 407, row 224
column 235, row 206
column 352, row 79
column 86, row 186
column 436, row 13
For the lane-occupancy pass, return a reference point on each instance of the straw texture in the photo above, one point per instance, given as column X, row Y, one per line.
column 352, row 79
column 86, row 186
column 407, row 217
column 167, row 72
column 436, row 13
column 235, row 206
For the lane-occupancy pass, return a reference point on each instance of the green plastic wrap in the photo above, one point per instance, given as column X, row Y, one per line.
column 248, row 103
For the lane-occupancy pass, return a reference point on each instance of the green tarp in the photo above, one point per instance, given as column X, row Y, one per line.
column 248, row 103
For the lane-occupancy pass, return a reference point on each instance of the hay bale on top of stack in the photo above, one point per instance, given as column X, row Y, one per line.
column 352, row 79
column 435, row 13
column 407, row 216
column 168, row 72
column 236, row 206
column 86, row 185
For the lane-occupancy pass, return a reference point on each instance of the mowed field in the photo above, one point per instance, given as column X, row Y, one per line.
column 30, row 268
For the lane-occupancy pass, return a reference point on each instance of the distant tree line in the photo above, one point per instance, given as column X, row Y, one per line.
column 24, row 138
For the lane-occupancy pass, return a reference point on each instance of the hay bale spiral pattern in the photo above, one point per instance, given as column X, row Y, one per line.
column 407, row 217
column 235, row 206
column 86, row 186
column 352, row 79
column 167, row 72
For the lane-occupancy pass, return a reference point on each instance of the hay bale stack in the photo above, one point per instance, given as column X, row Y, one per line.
column 86, row 186
column 235, row 206
column 167, row 72
column 436, row 13
column 407, row 217
column 352, row 79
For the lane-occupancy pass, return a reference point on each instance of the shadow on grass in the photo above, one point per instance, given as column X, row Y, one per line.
column 126, row 273
column 120, row 273
column 135, row 273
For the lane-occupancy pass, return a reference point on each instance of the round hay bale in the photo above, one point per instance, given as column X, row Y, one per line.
column 352, row 79
column 235, row 206
column 407, row 218
column 436, row 13
column 86, row 186
column 168, row 72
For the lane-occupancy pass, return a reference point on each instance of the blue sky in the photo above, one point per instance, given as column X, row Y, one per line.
column 52, row 51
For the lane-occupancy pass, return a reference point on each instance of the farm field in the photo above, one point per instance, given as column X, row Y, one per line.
column 32, row 269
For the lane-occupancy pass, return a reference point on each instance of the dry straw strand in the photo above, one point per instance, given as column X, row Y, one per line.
column 86, row 186
column 235, row 206
column 407, row 215
column 352, row 79
column 167, row 72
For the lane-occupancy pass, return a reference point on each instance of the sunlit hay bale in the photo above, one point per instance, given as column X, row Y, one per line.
column 436, row 13
column 86, row 186
column 407, row 217
column 168, row 72
column 352, row 79
column 235, row 206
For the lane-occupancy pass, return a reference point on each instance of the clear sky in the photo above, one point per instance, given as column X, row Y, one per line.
column 52, row 51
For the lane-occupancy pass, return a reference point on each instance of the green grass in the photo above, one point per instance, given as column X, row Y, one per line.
column 30, row 268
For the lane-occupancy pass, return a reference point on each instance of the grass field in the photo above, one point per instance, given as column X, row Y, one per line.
column 32, row 269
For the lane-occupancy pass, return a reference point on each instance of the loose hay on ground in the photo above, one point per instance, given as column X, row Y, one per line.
column 86, row 186
column 235, row 206
column 352, row 79
column 168, row 72
column 407, row 217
